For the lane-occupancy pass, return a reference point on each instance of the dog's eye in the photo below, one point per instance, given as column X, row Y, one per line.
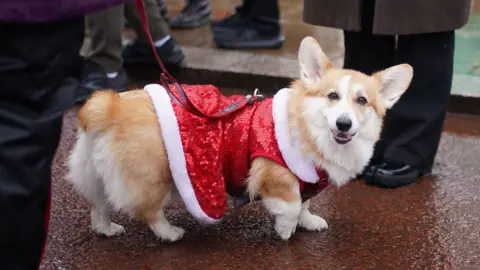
column 333, row 96
column 362, row 101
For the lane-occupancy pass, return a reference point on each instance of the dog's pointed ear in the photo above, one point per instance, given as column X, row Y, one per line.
column 394, row 82
column 313, row 61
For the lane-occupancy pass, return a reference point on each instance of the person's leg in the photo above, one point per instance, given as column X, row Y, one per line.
column 238, row 18
column 265, row 12
column 365, row 51
column 260, row 28
column 413, row 126
column 369, row 53
column 106, row 38
column 245, row 8
column 162, row 6
column 39, row 66
column 140, row 51
column 195, row 14
column 104, row 56
column 159, row 28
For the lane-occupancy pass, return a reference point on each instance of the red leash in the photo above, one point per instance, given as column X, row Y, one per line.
column 167, row 80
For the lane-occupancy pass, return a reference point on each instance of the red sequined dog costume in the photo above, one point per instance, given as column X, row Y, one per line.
column 209, row 158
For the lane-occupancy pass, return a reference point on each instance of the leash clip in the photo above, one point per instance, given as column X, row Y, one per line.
column 252, row 98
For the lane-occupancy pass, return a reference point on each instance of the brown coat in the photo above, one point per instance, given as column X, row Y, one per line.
column 392, row 17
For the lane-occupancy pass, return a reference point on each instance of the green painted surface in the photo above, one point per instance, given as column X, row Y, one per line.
column 466, row 79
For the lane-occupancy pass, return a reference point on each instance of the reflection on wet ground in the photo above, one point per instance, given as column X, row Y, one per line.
column 432, row 224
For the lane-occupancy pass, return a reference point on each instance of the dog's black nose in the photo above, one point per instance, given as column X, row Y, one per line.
column 344, row 123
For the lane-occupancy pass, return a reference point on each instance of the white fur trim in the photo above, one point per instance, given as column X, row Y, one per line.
column 176, row 157
column 290, row 149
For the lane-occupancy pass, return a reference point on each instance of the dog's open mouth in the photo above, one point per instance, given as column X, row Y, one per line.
column 342, row 137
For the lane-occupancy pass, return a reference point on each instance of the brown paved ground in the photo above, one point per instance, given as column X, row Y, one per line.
column 430, row 225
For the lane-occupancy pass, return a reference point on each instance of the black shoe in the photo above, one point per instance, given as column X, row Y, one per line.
column 391, row 174
column 141, row 53
column 195, row 14
column 370, row 170
column 94, row 79
column 248, row 36
column 232, row 21
column 120, row 82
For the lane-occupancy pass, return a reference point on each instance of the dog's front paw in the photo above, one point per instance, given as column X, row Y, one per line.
column 312, row 222
column 109, row 230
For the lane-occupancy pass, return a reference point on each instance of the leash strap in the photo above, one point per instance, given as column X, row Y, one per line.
column 167, row 80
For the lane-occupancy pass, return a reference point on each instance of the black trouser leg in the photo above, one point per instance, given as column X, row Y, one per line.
column 364, row 51
column 36, row 62
column 265, row 9
column 413, row 127
column 265, row 14
column 369, row 53
column 245, row 8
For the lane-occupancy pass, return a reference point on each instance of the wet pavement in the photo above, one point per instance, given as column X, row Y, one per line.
column 433, row 224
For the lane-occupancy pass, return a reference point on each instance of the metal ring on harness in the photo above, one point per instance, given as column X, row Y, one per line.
column 252, row 98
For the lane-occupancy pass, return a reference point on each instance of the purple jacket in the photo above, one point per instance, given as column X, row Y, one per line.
column 35, row 11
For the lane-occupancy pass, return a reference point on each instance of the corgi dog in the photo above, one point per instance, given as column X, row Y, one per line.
column 135, row 148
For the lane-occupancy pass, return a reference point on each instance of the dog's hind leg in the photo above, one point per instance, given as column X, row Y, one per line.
column 87, row 182
column 100, row 219
column 148, row 186
column 164, row 229
column 156, row 219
